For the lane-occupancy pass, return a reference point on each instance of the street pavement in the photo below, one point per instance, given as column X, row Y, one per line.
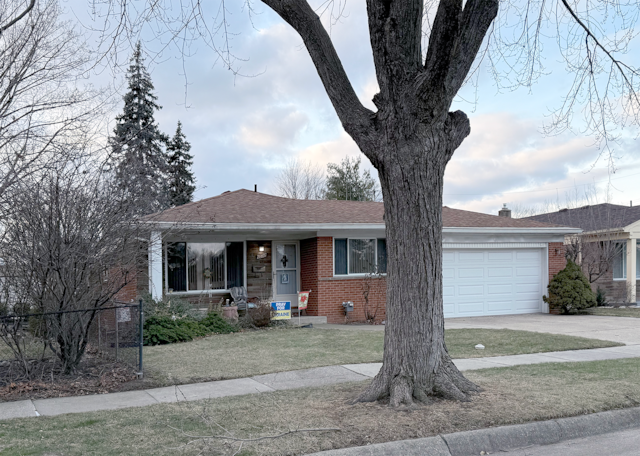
column 622, row 443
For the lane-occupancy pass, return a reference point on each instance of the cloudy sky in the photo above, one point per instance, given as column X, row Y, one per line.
column 244, row 127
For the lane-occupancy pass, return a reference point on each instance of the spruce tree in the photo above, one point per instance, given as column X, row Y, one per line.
column 181, row 181
column 138, row 158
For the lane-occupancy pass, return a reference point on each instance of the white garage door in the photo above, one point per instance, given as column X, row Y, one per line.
column 492, row 282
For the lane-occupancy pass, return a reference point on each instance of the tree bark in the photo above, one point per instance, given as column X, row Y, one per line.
column 416, row 363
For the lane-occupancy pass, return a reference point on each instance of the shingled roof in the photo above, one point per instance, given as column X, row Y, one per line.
column 245, row 206
column 592, row 218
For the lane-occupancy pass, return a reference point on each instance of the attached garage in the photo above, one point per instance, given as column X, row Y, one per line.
column 493, row 281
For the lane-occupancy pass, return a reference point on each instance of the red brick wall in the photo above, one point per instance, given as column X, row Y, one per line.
column 557, row 259
column 309, row 272
column 333, row 291
column 128, row 293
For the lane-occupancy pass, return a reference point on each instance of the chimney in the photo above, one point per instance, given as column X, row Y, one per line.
column 505, row 211
column 631, row 203
column 255, row 188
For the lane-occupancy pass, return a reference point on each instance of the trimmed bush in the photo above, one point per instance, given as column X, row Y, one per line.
column 601, row 297
column 160, row 330
column 218, row 325
column 569, row 290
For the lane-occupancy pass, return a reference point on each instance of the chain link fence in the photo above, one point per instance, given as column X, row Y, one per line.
column 35, row 344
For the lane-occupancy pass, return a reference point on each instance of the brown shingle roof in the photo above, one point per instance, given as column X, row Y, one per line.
column 592, row 218
column 245, row 206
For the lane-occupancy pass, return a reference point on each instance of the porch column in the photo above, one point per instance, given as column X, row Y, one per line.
column 631, row 270
column 155, row 265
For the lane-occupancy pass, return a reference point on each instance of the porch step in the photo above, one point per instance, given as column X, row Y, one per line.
column 305, row 320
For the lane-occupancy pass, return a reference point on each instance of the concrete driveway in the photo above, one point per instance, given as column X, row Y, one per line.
column 616, row 329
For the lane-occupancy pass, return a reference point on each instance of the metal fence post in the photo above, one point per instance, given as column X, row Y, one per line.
column 141, row 341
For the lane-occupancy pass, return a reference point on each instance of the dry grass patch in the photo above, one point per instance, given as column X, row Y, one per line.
column 511, row 395
column 633, row 312
column 246, row 354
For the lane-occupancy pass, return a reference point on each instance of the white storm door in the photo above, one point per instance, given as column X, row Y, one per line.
column 286, row 266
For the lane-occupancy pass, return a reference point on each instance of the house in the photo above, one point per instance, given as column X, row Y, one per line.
column 278, row 246
column 612, row 231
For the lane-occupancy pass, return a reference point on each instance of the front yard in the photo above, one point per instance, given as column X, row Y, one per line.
column 633, row 312
column 511, row 396
column 276, row 350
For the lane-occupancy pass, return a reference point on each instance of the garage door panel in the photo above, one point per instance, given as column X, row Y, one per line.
column 528, row 272
column 528, row 255
column 500, row 272
column 471, row 290
column 528, row 288
column 470, row 273
column 492, row 282
column 500, row 256
column 471, row 257
column 499, row 289
column 471, row 307
column 448, row 257
column 499, row 306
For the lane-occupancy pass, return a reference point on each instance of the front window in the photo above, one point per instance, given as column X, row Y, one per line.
column 620, row 261
column 204, row 266
column 360, row 256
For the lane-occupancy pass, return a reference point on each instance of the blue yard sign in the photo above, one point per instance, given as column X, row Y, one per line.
column 282, row 310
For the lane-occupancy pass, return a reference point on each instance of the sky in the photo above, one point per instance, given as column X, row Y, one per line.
column 245, row 125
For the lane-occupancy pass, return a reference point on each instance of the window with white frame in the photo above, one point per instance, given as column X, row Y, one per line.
column 200, row 266
column 360, row 256
column 620, row 261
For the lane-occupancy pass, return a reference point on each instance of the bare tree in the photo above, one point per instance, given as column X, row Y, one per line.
column 301, row 180
column 72, row 244
column 44, row 105
column 413, row 134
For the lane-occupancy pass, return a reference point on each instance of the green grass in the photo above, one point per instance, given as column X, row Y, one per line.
column 633, row 312
column 260, row 352
column 511, row 396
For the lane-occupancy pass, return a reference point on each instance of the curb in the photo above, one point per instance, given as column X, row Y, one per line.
column 505, row 438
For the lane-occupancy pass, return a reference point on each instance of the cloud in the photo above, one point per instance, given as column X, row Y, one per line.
column 506, row 159
column 272, row 128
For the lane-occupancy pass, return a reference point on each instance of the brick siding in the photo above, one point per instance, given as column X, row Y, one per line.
column 557, row 259
column 616, row 290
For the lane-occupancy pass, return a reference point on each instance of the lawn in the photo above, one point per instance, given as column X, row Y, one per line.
column 511, row 396
column 261, row 352
column 633, row 312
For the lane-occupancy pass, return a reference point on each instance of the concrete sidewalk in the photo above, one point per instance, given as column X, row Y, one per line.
column 306, row 378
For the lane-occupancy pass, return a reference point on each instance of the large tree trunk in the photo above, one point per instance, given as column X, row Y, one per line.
column 410, row 140
column 416, row 362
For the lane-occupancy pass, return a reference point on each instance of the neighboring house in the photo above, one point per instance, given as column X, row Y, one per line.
column 610, row 235
column 278, row 246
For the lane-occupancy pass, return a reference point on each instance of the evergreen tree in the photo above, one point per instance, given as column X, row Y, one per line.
column 345, row 182
column 138, row 158
column 181, row 181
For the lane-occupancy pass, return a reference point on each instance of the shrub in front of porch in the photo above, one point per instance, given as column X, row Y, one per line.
column 160, row 330
column 569, row 290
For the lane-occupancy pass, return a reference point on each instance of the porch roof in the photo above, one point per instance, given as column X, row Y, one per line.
column 245, row 208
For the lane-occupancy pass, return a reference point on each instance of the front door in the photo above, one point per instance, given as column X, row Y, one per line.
column 286, row 264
